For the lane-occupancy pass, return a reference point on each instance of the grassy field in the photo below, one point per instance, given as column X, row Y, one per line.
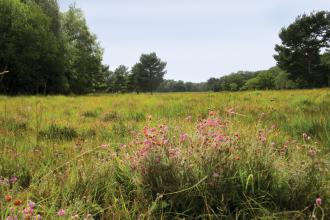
column 244, row 155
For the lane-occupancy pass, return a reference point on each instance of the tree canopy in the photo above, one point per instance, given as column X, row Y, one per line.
column 84, row 54
column 30, row 49
column 46, row 51
column 148, row 73
column 301, row 50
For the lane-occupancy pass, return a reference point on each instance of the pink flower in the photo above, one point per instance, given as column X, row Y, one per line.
column 147, row 143
column 13, row 179
column 31, row 204
column 165, row 141
column 12, row 217
column 318, row 201
column 212, row 113
column 28, row 210
column 219, row 138
column 183, row 137
column 28, row 213
column 211, row 123
column 61, row 212
column 104, row 145
column 173, row 152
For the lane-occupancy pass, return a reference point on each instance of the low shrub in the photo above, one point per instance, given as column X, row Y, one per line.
column 218, row 173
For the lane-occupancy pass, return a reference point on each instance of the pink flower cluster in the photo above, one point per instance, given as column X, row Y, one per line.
column 8, row 181
column 210, row 132
column 153, row 139
column 27, row 213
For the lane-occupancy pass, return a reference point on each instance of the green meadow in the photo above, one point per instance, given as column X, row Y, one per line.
column 240, row 155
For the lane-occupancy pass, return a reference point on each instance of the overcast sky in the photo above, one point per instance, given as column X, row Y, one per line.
column 199, row 39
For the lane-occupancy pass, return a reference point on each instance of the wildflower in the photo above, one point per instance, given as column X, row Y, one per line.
column 38, row 217
column 211, row 123
column 8, row 198
column 262, row 137
column 188, row 118
column 318, row 201
column 237, row 135
column 13, row 179
column 165, row 141
column 104, row 145
column 89, row 216
column 231, row 111
column 212, row 113
column 78, row 143
column 311, row 152
column 12, row 217
column 147, row 143
column 219, row 138
column 28, row 213
column 31, row 204
column 18, row 202
column 61, row 212
column 75, row 216
column 183, row 137
column 4, row 181
column 123, row 146
column 173, row 152
column 306, row 136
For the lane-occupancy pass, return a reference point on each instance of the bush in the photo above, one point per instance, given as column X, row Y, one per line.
column 217, row 173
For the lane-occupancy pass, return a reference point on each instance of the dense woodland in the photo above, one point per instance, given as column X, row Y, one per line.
column 45, row 51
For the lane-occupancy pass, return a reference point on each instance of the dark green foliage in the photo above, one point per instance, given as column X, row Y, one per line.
column 111, row 116
column 180, row 86
column 36, row 66
column 148, row 73
column 213, row 84
column 58, row 132
column 84, row 68
column 12, row 124
column 235, row 81
column 263, row 80
column 90, row 114
column 118, row 81
column 300, row 51
column 47, row 52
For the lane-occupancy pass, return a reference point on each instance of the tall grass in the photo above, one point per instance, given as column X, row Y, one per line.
column 245, row 155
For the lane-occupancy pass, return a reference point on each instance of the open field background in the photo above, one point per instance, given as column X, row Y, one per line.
column 79, row 154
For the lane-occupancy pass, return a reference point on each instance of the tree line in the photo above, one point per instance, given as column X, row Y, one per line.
column 46, row 51
column 303, row 59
